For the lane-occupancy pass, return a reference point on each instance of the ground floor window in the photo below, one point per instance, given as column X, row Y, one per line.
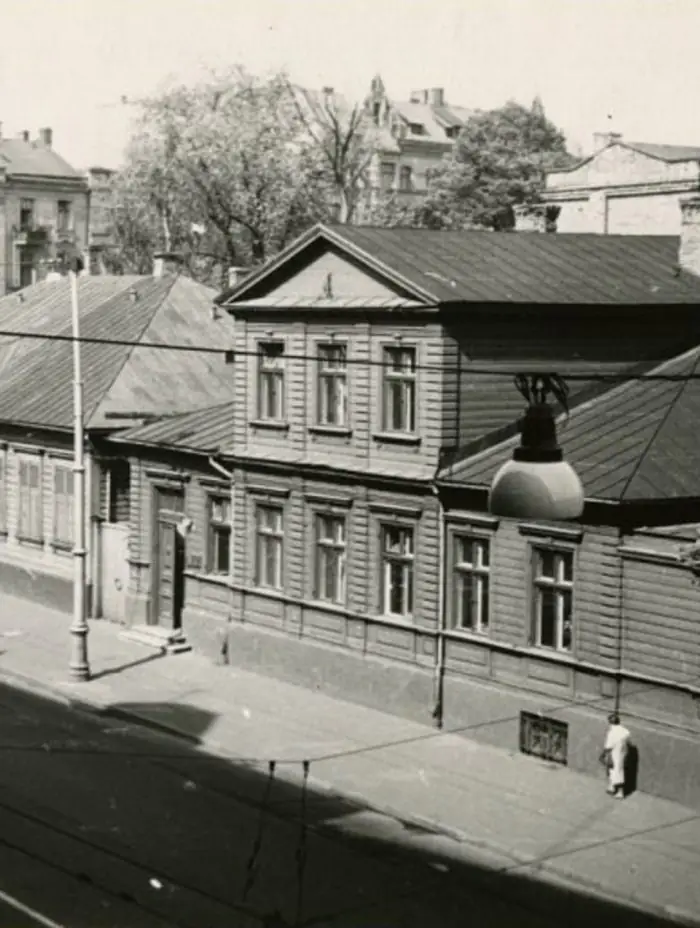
column 219, row 546
column 29, row 514
column 553, row 580
column 330, row 558
column 397, row 569
column 3, row 491
column 63, row 505
column 471, row 583
column 269, row 546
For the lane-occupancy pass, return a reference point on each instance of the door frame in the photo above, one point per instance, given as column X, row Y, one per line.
column 168, row 517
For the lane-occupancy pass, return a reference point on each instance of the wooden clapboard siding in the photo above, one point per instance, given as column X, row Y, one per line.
column 660, row 630
column 348, row 280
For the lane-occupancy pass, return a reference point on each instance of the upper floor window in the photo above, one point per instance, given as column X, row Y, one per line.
column 26, row 215
column 332, row 385
column 63, row 505
column 399, row 390
column 406, row 178
column 269, row 542
column 330, row 557
column 470, row 603
column 64, row 216
column 553, row 579
column 219, row 543
column 29, row 516
column 271, row 381
column 397, row 553
column 387, row 175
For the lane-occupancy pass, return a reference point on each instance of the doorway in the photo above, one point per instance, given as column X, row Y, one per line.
column 168, row 560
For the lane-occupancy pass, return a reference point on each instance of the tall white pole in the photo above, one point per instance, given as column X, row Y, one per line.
column 79, row 666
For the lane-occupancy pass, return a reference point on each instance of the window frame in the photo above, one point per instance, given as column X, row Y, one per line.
column 27, row 205
column 405, row 178
column 406, row 561
column 23, row 532
column 217, row 529
column 271, row 375
column 327, row 374
column 562, row 589
column 408, row 382
column 266, row 533
column 58, row 540
column 4, row 462
column 64, row 208
column 338, row 552
column 459, row 569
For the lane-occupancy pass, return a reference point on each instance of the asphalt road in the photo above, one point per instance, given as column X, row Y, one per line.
column 104, row 824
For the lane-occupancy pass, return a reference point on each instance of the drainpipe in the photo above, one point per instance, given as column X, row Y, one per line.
column 213, row 463
column 439, row 677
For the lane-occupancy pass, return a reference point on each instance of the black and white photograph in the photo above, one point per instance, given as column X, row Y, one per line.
column 349, row 463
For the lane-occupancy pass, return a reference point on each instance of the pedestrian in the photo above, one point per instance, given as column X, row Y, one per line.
column 614, row 755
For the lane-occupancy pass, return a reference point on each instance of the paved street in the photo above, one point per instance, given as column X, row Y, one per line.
column 102, row 824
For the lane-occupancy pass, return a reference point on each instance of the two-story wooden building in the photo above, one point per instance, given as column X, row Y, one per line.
column 366, row 363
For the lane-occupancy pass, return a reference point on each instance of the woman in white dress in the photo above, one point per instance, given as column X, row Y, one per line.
column 615, row 753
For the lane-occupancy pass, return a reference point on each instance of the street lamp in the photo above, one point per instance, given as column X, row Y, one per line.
column 79, row 666
column 538, row 483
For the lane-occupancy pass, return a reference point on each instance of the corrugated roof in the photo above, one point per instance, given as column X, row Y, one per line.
column 34, row 159
column 205, row 430
column 636, row 442
column 321, row 303
column 500, row 267
column 36, row 383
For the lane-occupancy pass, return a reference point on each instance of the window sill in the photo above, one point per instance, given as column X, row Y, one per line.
column 27, row 540
column 397, row 438
column 64, row 547
column 340, row 431
column 275, row 425
column 468, row 634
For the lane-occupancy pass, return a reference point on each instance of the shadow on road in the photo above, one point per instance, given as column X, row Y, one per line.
column 279, row 790
column 113, row 671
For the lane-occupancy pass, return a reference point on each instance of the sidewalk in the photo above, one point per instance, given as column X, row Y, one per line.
column 506, row 810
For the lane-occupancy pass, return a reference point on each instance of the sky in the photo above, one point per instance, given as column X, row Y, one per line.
column 627, row 65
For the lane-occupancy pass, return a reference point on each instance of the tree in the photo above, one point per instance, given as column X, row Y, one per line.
column 498, row 161
column 221, row 171
column 345, row 137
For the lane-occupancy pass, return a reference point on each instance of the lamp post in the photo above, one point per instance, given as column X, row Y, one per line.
column 79, row 666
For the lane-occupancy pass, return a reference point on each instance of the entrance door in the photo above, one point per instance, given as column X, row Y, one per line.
column 169, row 561
column 114, row 569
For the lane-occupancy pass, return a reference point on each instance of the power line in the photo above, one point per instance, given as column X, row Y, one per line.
column 231, row 354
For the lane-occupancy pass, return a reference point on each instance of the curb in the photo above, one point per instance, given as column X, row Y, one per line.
column 546, row 872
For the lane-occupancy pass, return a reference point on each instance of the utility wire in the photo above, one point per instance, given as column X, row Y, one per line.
column 231, row 354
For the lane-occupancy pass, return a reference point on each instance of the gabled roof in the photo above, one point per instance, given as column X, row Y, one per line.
column 478, row 267
column 121, row 380
column 670, row 153
column 204, row 431
column 636, row 442
column 34, row 159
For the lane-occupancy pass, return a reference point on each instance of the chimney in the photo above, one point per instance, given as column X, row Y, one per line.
column 416, row 96
column 689, row 252
column 437, row 96
column 166, row 262
column 46, row 137
column 23, row 135
column 236, row 275
column 603, row 139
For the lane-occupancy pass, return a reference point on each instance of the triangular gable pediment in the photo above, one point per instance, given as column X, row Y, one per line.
column 617, row 165
column 322, row 268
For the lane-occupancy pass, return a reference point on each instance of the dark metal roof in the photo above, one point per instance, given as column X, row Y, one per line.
column 636, row 442
column 448, row 267
column 34, row 159
column 205, row 430
column 36, row 382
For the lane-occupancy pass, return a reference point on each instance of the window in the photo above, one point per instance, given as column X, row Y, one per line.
column 3, row 492
column 387, row 175
column 29, row 517
column 118, row 478
column 406, row 178
column 26, row 215
column 62, row 505
column 64, row 215
column 554, row 584
column 543, row 737
column 333, row 385
column 399, row 401
column 397, row 570
column 470, row 604
column 26, row 267
column 330, row 558
column 271, row 382
column 269, row 540
column 219, row 549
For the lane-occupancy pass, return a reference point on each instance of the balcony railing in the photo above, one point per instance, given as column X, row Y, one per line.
column 33, row 235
